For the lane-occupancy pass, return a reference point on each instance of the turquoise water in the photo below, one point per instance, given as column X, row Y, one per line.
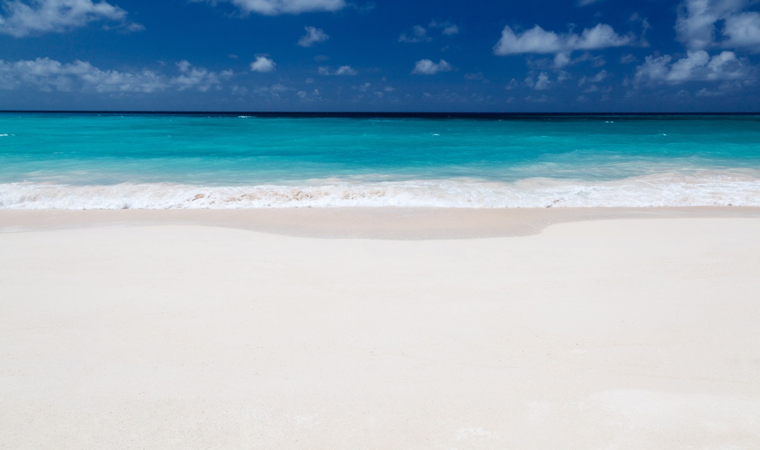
column 191, row 161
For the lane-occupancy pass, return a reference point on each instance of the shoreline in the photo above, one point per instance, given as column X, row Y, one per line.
column 359, row 223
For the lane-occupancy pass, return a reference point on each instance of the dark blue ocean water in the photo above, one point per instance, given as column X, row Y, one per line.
column 196, row 161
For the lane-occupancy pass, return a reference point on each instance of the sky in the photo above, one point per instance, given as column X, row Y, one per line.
column 381, row 55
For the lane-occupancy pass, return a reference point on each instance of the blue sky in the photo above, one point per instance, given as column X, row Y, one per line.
column 380, row 55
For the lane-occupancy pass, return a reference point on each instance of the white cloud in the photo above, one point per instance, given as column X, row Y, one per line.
column 447, row 28
column 419, row 34
column 696, row 66
column 197, row 77
column 315, row 95
column 342, row 70
column 263, row 64
column 346, row 70
column 277, row 7
column 538, row 40
column 562, row 59
column 743, row 31
column 586, row 2
column 598, row 78
column 628, row 59
column 313, row 35
column 541, row 83
column 50, row 75
column 697, row 19
column 428, row 67
column 25, row 17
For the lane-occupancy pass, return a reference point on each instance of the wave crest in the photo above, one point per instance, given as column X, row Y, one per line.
column 707, row 189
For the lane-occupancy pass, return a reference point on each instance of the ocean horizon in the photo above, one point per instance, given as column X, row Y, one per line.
column 162, row 160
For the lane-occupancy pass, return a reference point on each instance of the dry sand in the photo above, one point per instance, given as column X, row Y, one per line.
column 606, row 334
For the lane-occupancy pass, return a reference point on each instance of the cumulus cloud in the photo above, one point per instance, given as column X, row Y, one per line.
column 313, row 35
column 31, row 17
column 540, row 83
column 277, row 7
column 263, row 64
column 346, row 70
column 697, row 19
column 696, row 66
column 50, row 75
column 538, row 40
column 428, row 67
column 743, row 31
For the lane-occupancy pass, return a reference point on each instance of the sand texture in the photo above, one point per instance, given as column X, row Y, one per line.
column 607, row 334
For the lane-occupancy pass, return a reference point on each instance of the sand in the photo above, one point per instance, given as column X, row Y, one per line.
column 606, row 334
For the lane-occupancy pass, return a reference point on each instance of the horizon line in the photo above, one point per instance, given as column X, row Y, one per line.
column 374, row 113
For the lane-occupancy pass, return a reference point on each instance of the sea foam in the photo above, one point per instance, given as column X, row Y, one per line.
column 715, row 188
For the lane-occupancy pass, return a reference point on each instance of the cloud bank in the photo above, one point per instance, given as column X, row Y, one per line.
column 696, row 66
column 49, row 75
column 33, row 17
column 538, row 40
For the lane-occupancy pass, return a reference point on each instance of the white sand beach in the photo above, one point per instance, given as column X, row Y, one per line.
column 627, row 333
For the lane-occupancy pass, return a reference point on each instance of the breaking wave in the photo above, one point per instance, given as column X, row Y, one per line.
column 715, row 188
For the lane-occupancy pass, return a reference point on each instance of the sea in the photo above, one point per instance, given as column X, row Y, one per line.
column 223, row 161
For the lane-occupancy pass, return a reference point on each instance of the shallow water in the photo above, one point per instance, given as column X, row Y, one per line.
column 88, row 161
